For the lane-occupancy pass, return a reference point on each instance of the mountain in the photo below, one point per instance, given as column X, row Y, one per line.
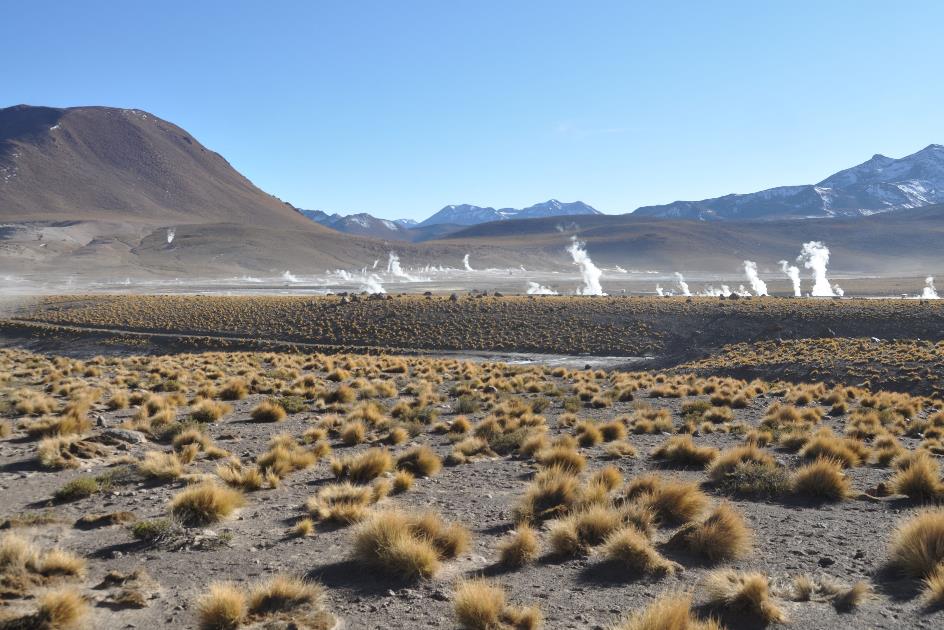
column 466, row 214
column 880, row 184
column 903, row 242
column 126, row 165
column 361, row 224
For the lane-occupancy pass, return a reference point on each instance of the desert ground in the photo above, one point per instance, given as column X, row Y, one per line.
column 344, row 462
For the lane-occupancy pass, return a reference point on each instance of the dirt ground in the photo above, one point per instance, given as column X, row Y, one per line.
column 793, row 536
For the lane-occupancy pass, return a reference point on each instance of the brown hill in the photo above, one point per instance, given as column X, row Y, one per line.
column 126, row 165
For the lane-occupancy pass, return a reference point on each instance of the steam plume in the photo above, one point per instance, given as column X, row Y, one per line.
column 393, row 267
column 758, row 286
column 660, row 291
column 371, row 284
column 288, row 276
column 588, row 271
column 465, row 263
column 171, row 233
column 929, row 293
column 539, row 289
column 815, row 256
column 683, row 286
column 793, row 272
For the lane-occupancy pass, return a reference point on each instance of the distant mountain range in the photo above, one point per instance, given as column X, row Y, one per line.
column 448, row 220
column 881, row 184
column 92, row 193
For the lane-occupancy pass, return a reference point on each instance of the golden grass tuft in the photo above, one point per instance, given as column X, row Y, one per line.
column 681, row 450
column 223, row 607
column 722, row 536
column 519, row 548
column 268, row 411
column 582, row 530
column 160, row 465
column 205, row 503
column 631, row 549
column 365, row 467
column 917, row 545
column 668, row 612
column 406, row 545
column 421, row 460
column 60, row 610
column 671, row 501
column 563, row 457
column 747, row 593
column 728, row 460
column 933, row 593
column 282, row 593
column 552, row 493
column 480, row 604
column 920, row 480
column 822, row 479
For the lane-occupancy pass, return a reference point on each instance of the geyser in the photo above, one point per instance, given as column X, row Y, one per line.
column 815, row 256
column 758, row 286
column 589, row 272
column 792, row 272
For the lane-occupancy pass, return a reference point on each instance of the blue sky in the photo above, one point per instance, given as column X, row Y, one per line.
column 399, row 108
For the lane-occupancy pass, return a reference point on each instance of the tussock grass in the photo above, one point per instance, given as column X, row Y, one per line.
column 364, row 467
column 223, row 607
column 722, row 536
column 729, row 459
column 822, row 479
column 917, row 545
column 407, row 546
column 631, row 549
column 580, row 531
column 919, row 480
column 480, row 604
column 520, row 547
column 747, row 593
column 668, row 612
column 205, row 503
column 421, row 460
column 267, row 411
column 672, row 501
column 681, row 450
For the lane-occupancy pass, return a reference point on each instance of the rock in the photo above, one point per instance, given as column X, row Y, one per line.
column 125, row 435
column 826, row 561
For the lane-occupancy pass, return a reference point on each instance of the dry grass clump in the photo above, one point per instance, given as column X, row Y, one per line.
column 729, row 459
column 69, row 423
column 563, row 457
column 619, row 449
column 355, row 432
column 480, row 604
column 668, row 612
column 161, row 466
column 578, row 532
column 364, row 467
column 843, row 597
column 223, row 607
column 23, row 565
column 650, row 420
column 402, row 481
column 208, row 410
column 520, row 547
column 630, row 549
column 671, row 501
column 267, row 411
column 747, row 593
column 681, row 450
column 205, row 503
column 62, row 609
column 552, row 493
column 933, row 593
column 917, row 545
column 236, row 389
column 68, row 451
column 918, row 479
column 821, row 479
column 239, row 476
column 343, row 502
column 286, row 455
column 722, row 536
column 467, row 449
column 421, row 460
column 825, row 444
column 407, row 545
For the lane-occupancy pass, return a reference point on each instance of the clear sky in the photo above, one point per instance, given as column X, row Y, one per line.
column 398, row 108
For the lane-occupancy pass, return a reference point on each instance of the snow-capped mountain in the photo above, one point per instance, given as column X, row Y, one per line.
column 878, row 185
column 361, row 224
column 466, row 214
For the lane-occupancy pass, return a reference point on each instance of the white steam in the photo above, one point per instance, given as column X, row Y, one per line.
column 758, row 286
column 371, row 284
column 929, row 293
column 394, row 268
column 539, row 289
column 792, row 272
column 376, row 262
column 683, row 286
column 589, row 272
column 815, row 256
column 171, row 233
column 660, row 291
column 288, row 276
column 465, row 263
